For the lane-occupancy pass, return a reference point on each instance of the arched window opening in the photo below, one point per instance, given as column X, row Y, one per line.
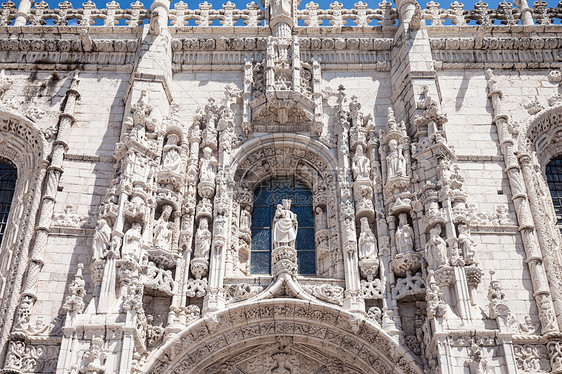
column 266, row 197
column 554, row 179
column 8, row 176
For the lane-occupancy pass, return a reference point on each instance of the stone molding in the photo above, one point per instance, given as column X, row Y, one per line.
column 370, row 346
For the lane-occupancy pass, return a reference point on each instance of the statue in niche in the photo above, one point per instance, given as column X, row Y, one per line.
column 129, row 163
column 466, row 243
column 395, row 161
column 285, row 225
column 350, row 235
column 162, row 231
column 361, row 165
column 404, row 236
column 220, row 225
column 132, row 245
column 171, row 160
column 320, row 219
column 202, row 239
column 367, row 242
column 207, row 166
column 101, row 240
column 245, row 219
column 436, row 249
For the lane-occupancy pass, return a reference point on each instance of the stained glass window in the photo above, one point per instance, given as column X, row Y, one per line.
column 266, row 197
column 8, row 176
column 554, row 179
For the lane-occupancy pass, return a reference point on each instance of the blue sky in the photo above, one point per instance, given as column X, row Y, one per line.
column 323, row 3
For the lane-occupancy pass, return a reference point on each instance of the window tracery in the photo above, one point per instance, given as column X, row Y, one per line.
column 8, row 177
column 554, row 179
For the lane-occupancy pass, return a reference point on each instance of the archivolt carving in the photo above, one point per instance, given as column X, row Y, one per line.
column 21, row 142
column 291, row 327
column 284, row 154
column 544, row 134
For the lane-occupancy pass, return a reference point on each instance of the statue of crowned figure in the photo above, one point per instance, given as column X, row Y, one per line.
column 285, row 225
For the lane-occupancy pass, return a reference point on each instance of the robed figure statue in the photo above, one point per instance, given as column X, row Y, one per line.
column 285, row 225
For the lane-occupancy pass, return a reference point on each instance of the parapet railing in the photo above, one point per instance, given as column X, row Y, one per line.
column 253, row 15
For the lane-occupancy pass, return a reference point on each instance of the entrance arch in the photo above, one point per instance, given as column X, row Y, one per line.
column 282, row 333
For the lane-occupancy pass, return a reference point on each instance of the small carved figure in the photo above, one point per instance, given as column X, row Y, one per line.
column 162, row 231
column 207, row 166
column 202, row 239
column 350, row 235
column 404, row 235
column 171, row 160
column 285, row 225
column 466, row 244
column 367, row 241
column 436, row 249
column 132, row 246
column 245, row 219
column 395, row 161
column 361, row 165
column 320, row 219
column 101, row 240
column 93, row 360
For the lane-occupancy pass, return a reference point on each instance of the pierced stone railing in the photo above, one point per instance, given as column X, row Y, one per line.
column 505, row 14
column 337, row 16
column 181, row 15
column 253, row 15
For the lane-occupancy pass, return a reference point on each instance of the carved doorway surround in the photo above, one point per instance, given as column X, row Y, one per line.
column 282, row 335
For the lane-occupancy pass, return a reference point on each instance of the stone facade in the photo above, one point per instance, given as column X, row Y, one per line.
column 140, row 135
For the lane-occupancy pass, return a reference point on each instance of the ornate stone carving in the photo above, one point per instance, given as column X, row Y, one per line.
column 531, row 358
column 77, row 290
column 436, row 250
column 132, row 243
column 327, row 292
column 93, row 360
column 240, row 292
column 162, row 230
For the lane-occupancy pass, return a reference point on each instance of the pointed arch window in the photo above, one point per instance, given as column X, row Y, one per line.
column 266, row 197
column 554, row 179
column 8, row 177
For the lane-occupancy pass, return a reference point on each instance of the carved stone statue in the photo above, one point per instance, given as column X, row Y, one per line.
column 466, row 244
column 162, row 231
column 245, row 219
column 93, row 359
column 436, row 249
column 367, row 242
column 361, row 165
column 171, row 159
column 285, row 225
column 404, row 236
column 395, row 161
column 101, row 240
column 320, row 219
column 207, row 166
column 132, row 245
column 202, row 240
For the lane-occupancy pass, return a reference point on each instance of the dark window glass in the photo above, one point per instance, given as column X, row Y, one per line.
column 554, row 178
column 8, row 176
column 266, row 198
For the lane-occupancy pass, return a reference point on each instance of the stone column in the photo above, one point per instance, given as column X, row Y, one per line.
column 23, row 12
column 54, row 172
column 535, row 260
